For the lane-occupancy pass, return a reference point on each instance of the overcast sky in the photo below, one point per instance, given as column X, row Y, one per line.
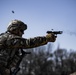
column 42, row 15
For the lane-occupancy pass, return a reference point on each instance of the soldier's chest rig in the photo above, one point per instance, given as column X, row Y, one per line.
column 16, row 58
column 15, row 61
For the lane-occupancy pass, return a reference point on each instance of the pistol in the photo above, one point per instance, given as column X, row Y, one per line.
column 55, row 32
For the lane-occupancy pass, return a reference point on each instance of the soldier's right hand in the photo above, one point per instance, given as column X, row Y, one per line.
column 51, row 37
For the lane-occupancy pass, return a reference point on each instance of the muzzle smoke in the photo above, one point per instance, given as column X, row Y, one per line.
column 70, row 32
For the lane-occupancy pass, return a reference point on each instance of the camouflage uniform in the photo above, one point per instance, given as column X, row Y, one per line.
column 11, row 47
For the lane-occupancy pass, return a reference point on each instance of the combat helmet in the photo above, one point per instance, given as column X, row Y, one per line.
column 16, row 24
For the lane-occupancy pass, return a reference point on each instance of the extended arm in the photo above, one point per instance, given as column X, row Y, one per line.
column 18, row 42
column 26, row 43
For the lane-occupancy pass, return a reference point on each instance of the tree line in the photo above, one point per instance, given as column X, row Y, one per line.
column 45, row 61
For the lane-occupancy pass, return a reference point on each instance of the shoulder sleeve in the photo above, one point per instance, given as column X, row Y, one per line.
column 3, row 39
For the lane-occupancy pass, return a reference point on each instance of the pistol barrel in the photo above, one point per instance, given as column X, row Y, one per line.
column 55, row 32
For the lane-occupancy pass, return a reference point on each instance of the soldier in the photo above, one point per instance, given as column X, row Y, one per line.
column 12, row 43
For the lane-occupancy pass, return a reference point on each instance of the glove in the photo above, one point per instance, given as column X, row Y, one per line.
column 50, row 37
